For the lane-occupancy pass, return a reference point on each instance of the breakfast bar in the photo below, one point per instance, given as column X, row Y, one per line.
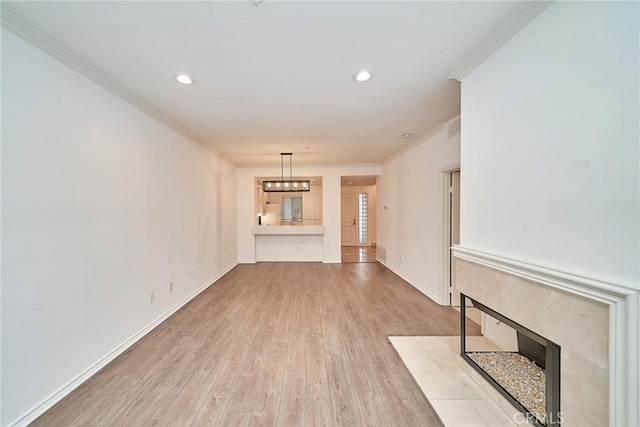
column 289, row 242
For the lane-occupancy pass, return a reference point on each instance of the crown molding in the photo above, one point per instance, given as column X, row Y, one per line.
column 525, row 14
column 453, row 127
column 307, row 166
column 41, row 41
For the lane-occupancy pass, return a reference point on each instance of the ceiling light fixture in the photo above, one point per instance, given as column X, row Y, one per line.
column 185, row 79
column 407, row 135
column 363, row 76
column 286, row 186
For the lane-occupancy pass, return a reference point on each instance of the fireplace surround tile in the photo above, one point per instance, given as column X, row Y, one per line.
column 446, row 360
column 458, row 398
column 447, row 385
column 419, row 361
column 491, row 413
column 471, row 413
column 434, row 343
column 588, row 405
column 457, row 413
column 514, row 290
column 578, row 325
column 405, row 343
column 454, row 343
column 480, row 283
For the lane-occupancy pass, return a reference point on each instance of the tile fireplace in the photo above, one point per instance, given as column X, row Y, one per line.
column 595, row 322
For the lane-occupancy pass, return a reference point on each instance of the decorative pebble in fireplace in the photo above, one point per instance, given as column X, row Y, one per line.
column 517, row 374
column 528, row 378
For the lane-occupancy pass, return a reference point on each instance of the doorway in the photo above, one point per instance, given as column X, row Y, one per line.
column 348, row 219
column 358, row 218
column 452, row 232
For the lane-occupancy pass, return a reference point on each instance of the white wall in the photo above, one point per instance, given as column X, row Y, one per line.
column 550, row 152
column 410, row 200
column 330, row 205
column 101, row 205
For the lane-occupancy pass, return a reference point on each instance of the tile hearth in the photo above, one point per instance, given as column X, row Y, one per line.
column 455, row 396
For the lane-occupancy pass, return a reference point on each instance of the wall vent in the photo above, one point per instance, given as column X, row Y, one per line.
column 381, row 254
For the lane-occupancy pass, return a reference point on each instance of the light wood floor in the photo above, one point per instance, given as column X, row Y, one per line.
column 359, row 254
column 289, row 344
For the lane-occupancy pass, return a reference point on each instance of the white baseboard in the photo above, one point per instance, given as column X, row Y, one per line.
column 411, row 282
column 63, row 391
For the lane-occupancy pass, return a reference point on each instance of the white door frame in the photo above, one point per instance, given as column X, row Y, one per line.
column 445, row 264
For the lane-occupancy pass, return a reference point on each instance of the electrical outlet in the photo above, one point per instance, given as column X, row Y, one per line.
column 170, row 286
column 151, row 297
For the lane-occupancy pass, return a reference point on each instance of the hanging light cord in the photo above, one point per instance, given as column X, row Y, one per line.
column 282, row 166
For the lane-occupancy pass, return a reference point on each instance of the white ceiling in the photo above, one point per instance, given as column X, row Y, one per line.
column 278, row 76
column 357, row 181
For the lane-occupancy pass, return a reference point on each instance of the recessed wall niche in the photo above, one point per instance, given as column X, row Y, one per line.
column 284, row 208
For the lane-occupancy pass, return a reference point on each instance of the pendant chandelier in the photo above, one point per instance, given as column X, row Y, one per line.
column 286, row 186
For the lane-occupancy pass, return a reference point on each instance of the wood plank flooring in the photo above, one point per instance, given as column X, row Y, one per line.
column 286, row 344
column 358, row 254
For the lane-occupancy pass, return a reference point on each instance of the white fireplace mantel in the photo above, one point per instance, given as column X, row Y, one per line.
column 624, row 323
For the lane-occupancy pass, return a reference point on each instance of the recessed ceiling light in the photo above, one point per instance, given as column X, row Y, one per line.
column 407, row 135
column 185, row 79
column 363, row 76
column 350, row 182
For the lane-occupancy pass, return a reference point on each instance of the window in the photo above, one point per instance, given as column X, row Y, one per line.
column 292, row 209
column 363, row 214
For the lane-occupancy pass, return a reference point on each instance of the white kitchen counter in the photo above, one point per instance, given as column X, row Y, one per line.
column 288, row 229
column 289, row 242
